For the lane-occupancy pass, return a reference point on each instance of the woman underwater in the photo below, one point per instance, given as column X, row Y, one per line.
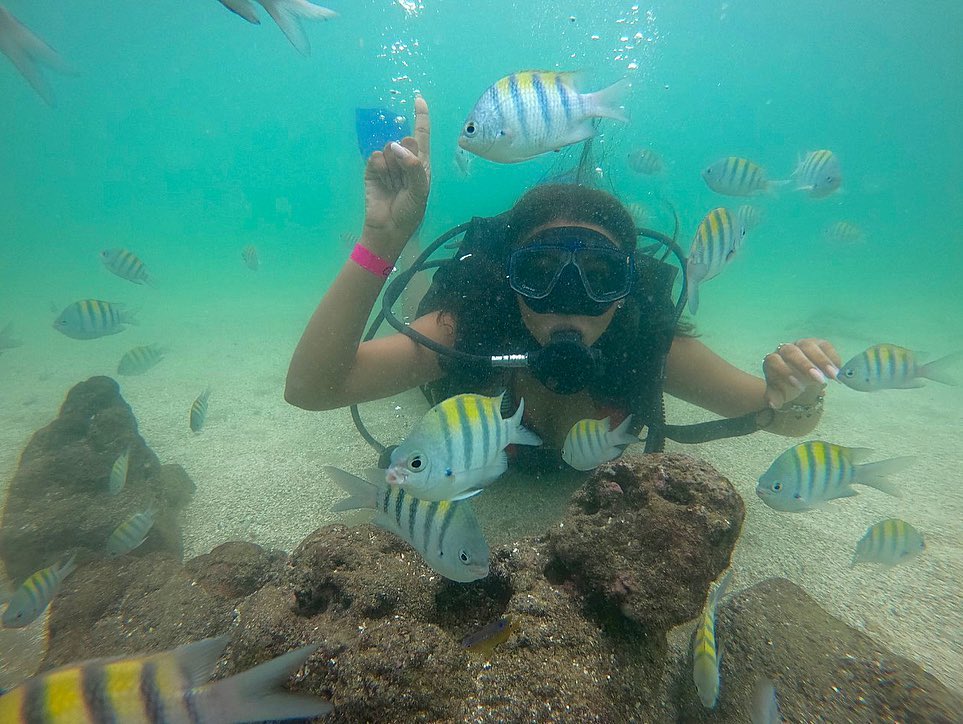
column 558, row 272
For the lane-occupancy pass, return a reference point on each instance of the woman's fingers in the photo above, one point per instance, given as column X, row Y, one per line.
column 782, row 383
column 423, row 133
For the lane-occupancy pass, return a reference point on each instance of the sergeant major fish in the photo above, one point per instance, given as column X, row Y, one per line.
column 445, row 533
column 250, row 258
column 93, row 318
column 457, row 448
column 735, row 176
column 138, row 360
column 131, row 533
column 706, row 656
column 818, row 174
column 716, row 243
column 589, row 443
column 35, row 594
column 533, row 112
column 889, row 542
column 645, row 161
column 809, row 475
column 170, row 686
column 199, row 410
column 889, row 367
column 126, row 265
column 118, row 473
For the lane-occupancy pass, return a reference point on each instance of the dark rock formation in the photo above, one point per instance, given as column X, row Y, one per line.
column 57, row 501
column 823, row 670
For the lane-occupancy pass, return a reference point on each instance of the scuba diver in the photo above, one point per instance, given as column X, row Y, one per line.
column 552, row 302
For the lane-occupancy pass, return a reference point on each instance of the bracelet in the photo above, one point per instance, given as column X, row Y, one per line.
column 369, row 261
column 801, row 411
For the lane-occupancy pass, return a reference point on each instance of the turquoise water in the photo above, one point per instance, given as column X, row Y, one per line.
column 187, row 133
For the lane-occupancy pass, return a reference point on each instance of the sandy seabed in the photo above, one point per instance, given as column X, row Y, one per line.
column 257, row 462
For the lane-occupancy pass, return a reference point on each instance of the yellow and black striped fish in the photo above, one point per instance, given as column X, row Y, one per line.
column 818, row 173
column 126, row 265
column 735, row 176
column 890, row 367
column 716, row 243
column 809, row 475
column 706, row 656
column 250, row 258
column 889, row 542
column 590, row 442
column 199, row 410
column 170, row 686
column 138, row 360
column 131, row 533
column 458, row 448
column 92, row 318
column 34, row 595
column 118, row 473
column 445, row 533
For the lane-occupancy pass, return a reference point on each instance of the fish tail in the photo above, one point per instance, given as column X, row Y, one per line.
column 287, row 13
column 68, row 567
column 127, row 316
column 255, row 695
column 361, row 493
column 874, row 474
column 518, row 433
column 939, row 370
column 609, row 102
column 621, row 435
column 719, row 590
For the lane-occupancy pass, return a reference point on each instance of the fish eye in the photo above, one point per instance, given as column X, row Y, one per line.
column 464, row 556
column 416, row 462
column 470, row 128
column 797, row 496
column 777, row 486
column 849, row 372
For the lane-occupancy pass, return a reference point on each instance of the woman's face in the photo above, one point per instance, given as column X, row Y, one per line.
column 543, row 325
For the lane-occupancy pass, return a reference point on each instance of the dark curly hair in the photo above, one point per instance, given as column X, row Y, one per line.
column 474, row 293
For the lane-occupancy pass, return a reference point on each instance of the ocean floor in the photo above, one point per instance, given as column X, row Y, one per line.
column 257, row 462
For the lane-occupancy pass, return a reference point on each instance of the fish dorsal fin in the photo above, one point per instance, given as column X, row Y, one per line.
column 197, row 660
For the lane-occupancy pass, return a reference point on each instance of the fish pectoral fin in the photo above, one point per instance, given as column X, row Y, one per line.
column 467, row 494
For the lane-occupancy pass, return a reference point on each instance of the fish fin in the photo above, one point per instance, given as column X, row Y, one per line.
column 198, row 659
column 464, row 495
column 128, row 316
column 847, row 492
column 287, row 15
column 695, row 273
column 518, row 433
column 244, row 9
column 874, row 474
column 609, row 102
column 12, row 45
column 255, row 694
column 362, row 494
column 621, row 435
column 719, row 590
column 938, row 371
column 858, row 454
column 68, row 567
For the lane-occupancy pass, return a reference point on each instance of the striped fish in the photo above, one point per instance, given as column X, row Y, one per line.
column 818, row 174
column 138, row 360
column 809, row 475
column 131, row 533
column 533, row 112
column 458, row 448
column 645, row 161
column 118, row 473
column 888, row 367
column 92, row 318
column 250, row 258
column 843, row 232
column 199, row 410
column 749, row 216
column 889, row 542
column 170, row 686
column 706, row 656
column 126, row 265
column 36, row 593
column 735, row 176
column 716, row 242
column 592, row 442
column 445, row 533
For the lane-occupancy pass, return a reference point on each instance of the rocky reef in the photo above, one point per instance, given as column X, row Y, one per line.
column 591, row 603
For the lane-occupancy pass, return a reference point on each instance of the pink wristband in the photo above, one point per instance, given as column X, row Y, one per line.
column 369, row 261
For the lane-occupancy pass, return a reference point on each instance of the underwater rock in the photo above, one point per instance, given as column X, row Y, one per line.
column 644, row 538
column 58, row 501
column 823, row 670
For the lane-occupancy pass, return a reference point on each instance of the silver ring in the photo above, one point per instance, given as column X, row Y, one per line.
column 781, row 345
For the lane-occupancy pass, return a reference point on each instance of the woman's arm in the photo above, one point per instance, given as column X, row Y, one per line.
column 330, row 367
column 789, row 400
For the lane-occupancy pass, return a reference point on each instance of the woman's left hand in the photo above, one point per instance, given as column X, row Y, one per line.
column 793, row 369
